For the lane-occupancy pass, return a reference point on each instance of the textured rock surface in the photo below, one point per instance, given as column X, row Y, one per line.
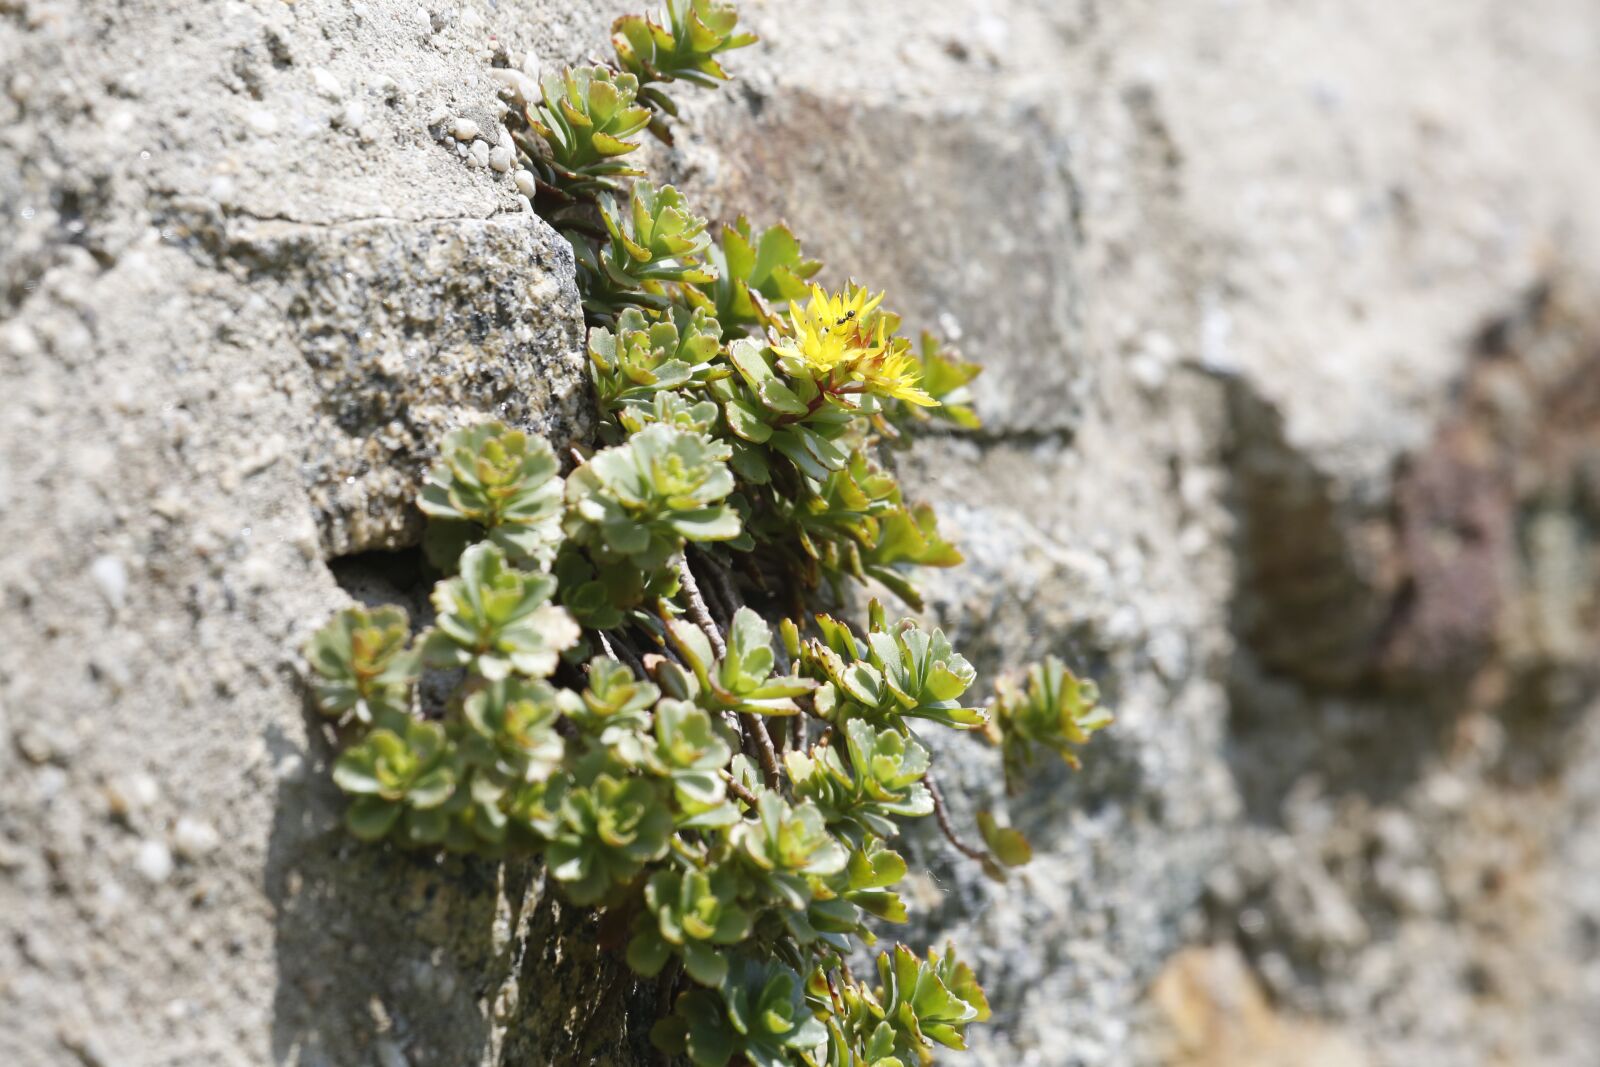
column 1292, row 404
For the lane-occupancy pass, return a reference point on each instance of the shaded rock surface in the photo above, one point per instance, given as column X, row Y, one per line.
column 1291, row 402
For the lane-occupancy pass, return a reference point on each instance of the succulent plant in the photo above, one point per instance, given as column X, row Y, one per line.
column 643, row 357
column 614, row 708
column 365, row 665
column 783, row 846
column 896, row 673
column 1056, row 710
column 906, row 537
column 928, row 1000
column 585, row 118
column 657, row 241
column 642, row 500
column 753, row 272
column 743, row 679
column 752, row 414
column 410, row 773
column 759, row 1014
column 692, row 754
column 512, row 729
column 873, row 869
column 497, row 481
column 945, row 377
column 693, row 914
column 670, row 409
column 609, row 829
column 881, row 781
column 683, row 45
column 495, row 620
column 791, row 419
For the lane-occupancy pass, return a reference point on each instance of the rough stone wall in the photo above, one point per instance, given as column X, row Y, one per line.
column 1292, row 409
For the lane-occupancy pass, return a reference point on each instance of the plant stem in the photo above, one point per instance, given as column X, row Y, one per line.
column 751, row 726
column 697, row 607
column 942, row 814
column 764, row 750
column 740, row 791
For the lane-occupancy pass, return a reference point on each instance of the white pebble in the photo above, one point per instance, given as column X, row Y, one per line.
column 437, row 116
column 142, row 790
column 19, row 340
column 193, row 838
column 326, row 83
column 262, row 122
column 530, row 66
column 111, row 575
column 478, row 154
column 524, row 182
column 499, row 157
column 290, row 768
column 354, row 114
column 464, row 129
column 515, row 85
column 49, row 782
column 154, row 862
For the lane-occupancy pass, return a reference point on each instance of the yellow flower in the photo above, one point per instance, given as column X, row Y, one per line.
column 894, row 372
column 839, row 339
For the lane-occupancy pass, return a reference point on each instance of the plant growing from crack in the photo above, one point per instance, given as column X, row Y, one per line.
column 618, row 705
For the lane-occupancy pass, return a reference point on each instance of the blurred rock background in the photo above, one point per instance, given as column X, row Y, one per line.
column 1291, row 314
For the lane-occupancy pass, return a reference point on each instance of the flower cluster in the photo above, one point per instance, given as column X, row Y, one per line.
column 593, row 687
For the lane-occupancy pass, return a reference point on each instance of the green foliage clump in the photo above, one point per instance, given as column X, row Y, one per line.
column 642, row 363
column 753, row 274
column 365, row 665
column 639, row 502
column 655, row 242
column 1055, row 710
column 496, row 482
column 682, row 47
column 602, row 692
column 583, row 124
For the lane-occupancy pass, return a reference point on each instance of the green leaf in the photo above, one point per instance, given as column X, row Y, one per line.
column 1008, row 845
column 370, row 818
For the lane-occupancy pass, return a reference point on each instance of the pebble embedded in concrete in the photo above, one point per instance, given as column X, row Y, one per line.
column 516, row 85
column 110, row 575
column 262, row 122
column 326, row 84
column 463, row 129
column 153, row 861
column 193, row 838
